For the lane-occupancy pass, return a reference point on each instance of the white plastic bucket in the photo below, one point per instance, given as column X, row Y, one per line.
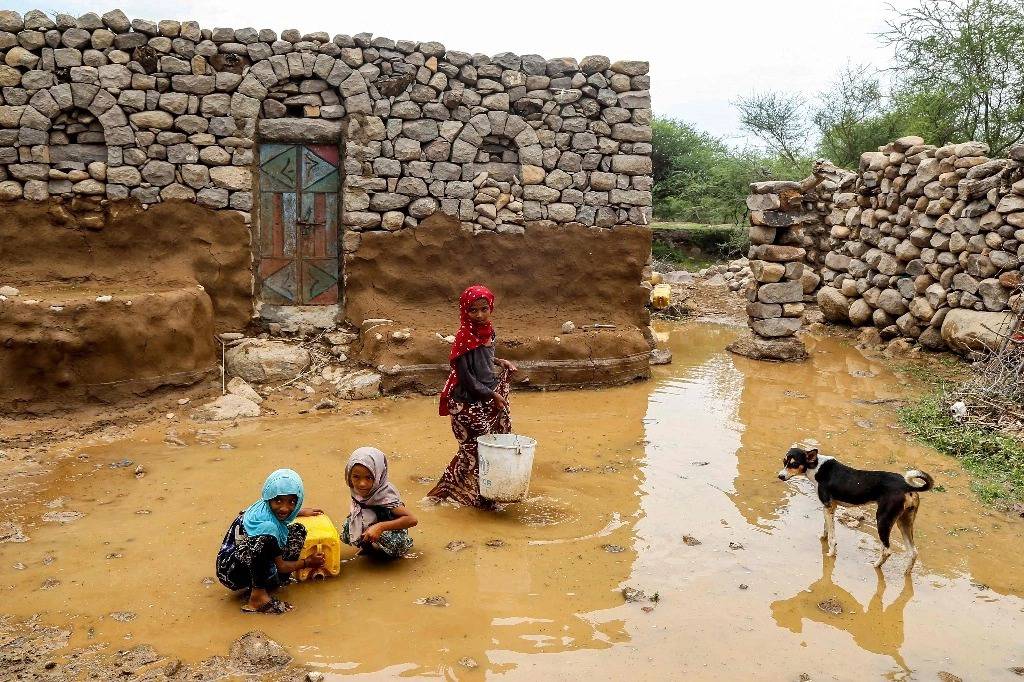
column 506, row 462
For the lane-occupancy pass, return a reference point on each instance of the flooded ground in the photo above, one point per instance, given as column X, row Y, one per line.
column 622, row 475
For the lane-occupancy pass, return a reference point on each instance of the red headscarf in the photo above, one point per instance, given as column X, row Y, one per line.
column 471, row 335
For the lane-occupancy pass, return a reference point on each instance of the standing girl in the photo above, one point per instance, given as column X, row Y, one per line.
column 261, row 548
column 378, row 521
column 473, row 396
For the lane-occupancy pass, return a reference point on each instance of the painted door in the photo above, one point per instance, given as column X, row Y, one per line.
column 298, row 224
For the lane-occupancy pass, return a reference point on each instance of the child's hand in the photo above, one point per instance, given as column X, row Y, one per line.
column 502, row 402
column 371, row 534
column 312, row 511
column 315, row 560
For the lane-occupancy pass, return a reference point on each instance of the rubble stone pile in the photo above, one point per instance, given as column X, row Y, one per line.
column 923, row 243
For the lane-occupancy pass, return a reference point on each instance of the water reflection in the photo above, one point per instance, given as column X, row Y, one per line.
column 876, row 627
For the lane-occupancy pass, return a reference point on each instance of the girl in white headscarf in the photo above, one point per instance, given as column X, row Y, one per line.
column 378, row 522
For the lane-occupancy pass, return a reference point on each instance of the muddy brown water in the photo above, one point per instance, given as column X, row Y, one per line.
column 621, row 476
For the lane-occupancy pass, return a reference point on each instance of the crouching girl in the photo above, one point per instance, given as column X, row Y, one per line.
column 261, row 548
column 378, row 521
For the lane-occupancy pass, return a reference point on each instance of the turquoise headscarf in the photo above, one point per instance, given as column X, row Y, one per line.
column 259, row 519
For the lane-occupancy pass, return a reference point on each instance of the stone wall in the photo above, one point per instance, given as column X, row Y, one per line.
column 924, row 243
column 112, row 108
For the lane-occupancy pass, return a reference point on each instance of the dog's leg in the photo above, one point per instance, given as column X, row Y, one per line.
column 830, row 528
column 885, row 517
column 906, row 524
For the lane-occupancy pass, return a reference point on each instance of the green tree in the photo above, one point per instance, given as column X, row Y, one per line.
column 854, row 116
column 778, row 120
column 966, row 57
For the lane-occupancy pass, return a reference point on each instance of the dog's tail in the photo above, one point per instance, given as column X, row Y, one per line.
column 919, row 480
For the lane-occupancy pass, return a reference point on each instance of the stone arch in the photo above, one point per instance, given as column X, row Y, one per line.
column 267, row 74
column 501, row 125
column 48, row 103
column 90, row 137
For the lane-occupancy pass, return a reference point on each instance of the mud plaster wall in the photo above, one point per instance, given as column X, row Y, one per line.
column 121, row 248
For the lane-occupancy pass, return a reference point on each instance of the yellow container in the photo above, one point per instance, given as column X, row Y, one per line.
column 321, row 537
column 661, row 296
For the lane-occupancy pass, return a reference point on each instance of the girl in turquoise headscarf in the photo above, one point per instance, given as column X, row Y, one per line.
column 261, row 548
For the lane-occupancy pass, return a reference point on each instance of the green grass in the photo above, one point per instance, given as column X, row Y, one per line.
column 670, row 254
column 994, row 459
column 695, row 245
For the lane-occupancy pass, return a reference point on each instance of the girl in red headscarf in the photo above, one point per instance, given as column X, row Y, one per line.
column 474, row 396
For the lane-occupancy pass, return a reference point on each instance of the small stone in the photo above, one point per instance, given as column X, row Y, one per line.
column 497, row 542
column 831, row 606
column 661, row 356
column 468, row 663
column 568, row 327
column 104, row 299
column 456, row 546
column 613, row 549
column 633, row 595
column 436, row 600
column 690, row 541
column 9, row 291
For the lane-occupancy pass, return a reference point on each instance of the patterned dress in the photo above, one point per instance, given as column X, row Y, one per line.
column 460, row 481
column 246, row 561
column 393, row 544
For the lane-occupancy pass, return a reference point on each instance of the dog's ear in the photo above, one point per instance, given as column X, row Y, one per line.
column 812, row 458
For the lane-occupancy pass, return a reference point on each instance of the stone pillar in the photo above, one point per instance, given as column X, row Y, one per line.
column 776, row 296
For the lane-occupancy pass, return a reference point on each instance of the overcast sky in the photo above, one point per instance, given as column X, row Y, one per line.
column 702, row 54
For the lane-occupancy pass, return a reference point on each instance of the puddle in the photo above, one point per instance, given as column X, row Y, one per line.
column 622, row 475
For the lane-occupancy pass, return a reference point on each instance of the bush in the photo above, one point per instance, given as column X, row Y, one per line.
column 994, row 458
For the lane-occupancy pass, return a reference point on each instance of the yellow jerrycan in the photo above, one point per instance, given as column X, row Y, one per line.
column 661, row 296
column 321, row 537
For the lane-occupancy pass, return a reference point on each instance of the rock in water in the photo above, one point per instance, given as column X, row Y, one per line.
column 11, row 532
column 254, row 652
column 266, row 361
column 228, row 406
column 775, row 350
column 661, row 356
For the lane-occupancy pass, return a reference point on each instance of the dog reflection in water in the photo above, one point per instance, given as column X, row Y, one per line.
column 876, row 628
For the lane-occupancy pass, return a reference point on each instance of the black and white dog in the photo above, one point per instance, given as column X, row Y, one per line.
column 837, row 484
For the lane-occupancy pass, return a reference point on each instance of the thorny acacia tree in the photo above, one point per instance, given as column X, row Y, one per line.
column 968, row 57
column 777, row 119
column 854, row 116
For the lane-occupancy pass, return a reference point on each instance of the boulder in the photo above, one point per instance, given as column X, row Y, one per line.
column 239, row 387
column 359, row 385
column 786, row 349
column 776, row 326
column 266, row 361
column 833, row 304
column 228, row 406
column 966, row 330
column 860, row 312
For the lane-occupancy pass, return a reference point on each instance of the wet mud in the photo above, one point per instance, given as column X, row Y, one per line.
column 667, row 487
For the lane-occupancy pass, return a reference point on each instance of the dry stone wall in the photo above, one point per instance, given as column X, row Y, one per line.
column 923, row 243
column 105, row 107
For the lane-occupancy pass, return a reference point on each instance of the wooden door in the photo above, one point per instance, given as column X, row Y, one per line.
column 298, row 224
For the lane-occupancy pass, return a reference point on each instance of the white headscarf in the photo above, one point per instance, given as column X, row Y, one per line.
column 383, row 494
